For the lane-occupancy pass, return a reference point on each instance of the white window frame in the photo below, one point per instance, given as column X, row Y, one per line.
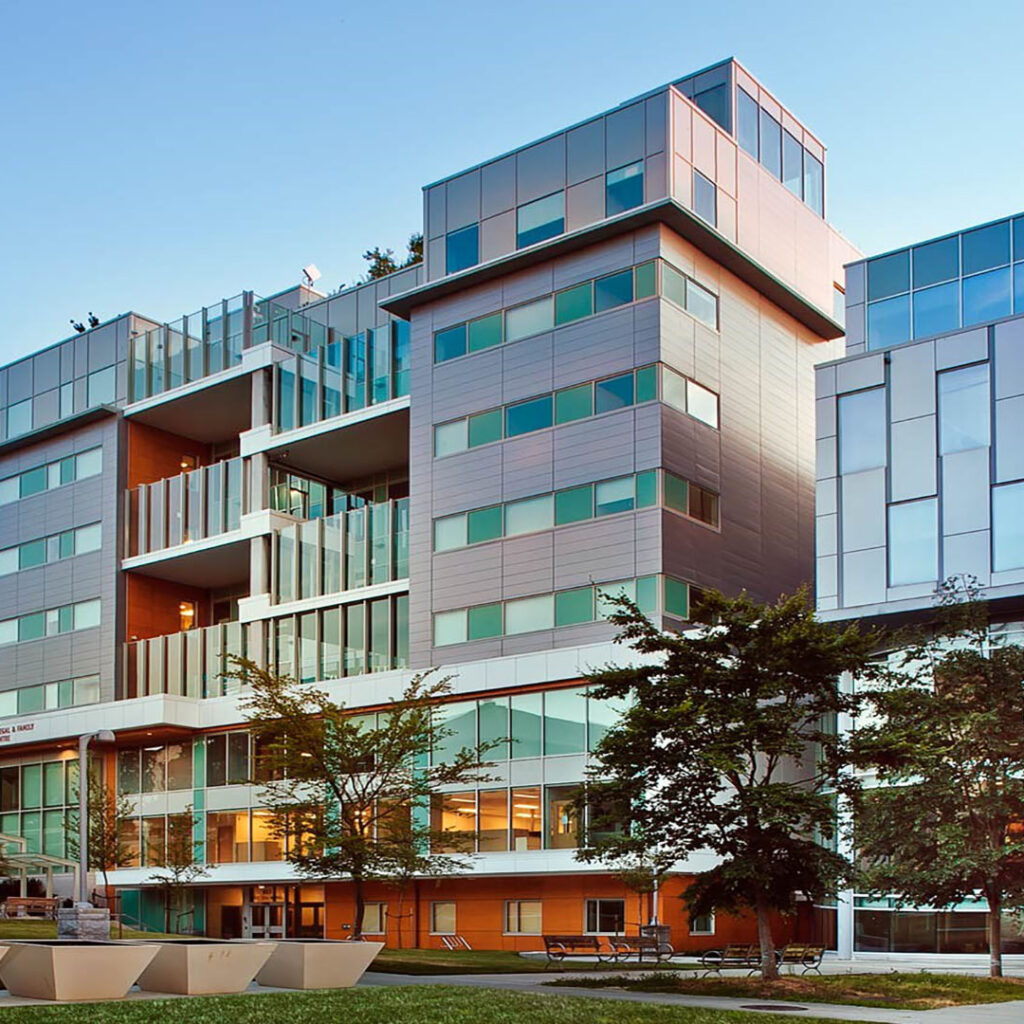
column 516, row 903
column 434, row 904
column 700, row 931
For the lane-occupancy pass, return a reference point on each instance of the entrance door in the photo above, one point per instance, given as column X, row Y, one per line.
column 264, row 916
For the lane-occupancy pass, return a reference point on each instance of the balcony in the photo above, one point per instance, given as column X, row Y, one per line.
column 189, row 664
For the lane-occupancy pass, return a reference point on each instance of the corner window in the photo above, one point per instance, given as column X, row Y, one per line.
column 462, row 249
column 624, row 188
column 605, row 917
column 705, row 199
column 540, row 220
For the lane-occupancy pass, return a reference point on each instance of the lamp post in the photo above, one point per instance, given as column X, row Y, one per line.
column 104, row 736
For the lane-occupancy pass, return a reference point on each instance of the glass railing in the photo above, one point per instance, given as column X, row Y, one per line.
column 342, row 376
column 180, row 509
column 188, row 664
column 341, row 552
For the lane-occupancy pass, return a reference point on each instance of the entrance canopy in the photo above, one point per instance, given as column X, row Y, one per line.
column 26, row 863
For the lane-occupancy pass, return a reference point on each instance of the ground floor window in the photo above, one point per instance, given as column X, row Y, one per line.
column 442, row 917
column 522, row 917
column 605, row 917
column 945, row 931
column 375, row 916
column 702, row 924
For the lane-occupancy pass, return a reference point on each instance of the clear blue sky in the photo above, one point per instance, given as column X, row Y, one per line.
column 159, row 156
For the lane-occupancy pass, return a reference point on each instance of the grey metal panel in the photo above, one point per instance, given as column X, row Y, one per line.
column 656, row 116
column 67, row 364
column 826, row 500
column 862, row 501
column 824, row 381
column 528, row 565
column 826, row 540
column 855, row 330
column 466, row 386
column 827, row 576
column 435, row 211
column 655, row 178
column 967, row 553
column 959, row 349
column 526, row 285
column 912, row 459
column 585, row 146
column 596, row 551
column 540, row 170
column 527, row 464
column 102, row 350
column 594, row 449
column 469, row 480
column 1009, row 439
column 19, row 381
column 463, row 200
column 855, row 291
column 1009, row 358
column 366, row 309
column 864, row 577
column 625, row 135
column 601, row 346
column 467, row 577
column 498, row 187
column 827, row 457
column 584, row 204
column 912, row 381
column 965, row 491
column 865, row 372
column 825, row 417
column 436, row 257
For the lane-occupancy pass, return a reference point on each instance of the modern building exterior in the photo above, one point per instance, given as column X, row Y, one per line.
column 600, row 380
column 921, row 476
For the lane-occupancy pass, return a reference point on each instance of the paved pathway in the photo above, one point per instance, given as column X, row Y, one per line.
column 992, row 1013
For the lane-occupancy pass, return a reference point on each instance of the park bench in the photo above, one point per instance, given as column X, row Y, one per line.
column 625, row 946
column 735, row 955
column 800, row 955
column 30, row 906
column 561, row 947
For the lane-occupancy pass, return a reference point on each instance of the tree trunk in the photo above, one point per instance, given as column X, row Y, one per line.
column 167, row 911
column 769, row 965
column 995, row 937
column 401, row 901
column 357, row 926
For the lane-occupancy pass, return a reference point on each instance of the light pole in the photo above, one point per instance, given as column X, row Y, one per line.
column 104, row 736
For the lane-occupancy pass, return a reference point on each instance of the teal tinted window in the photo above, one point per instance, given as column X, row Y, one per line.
column 675, row 493
column 613, row 393
column 646, row 280
column 31, row 698
column 32, row 627
column 565, row 722
column 484, row 524
column 526, row 417
column 889, row 275
column 574, row 505
column 705, row 198
column 676, row 602
column 984, row 248
column 646, row 489
column 485, row 333
column 574, row 606
column 673, row 285
column 715, row 103
column 936, row 309
column 889, row 322
column 647, row 594
column 541, row 219
column 484, row 621
column 1018, row 239
column 574, row 304
column 702, row 304
column 611, row 496
column 616, row 290
column 574, row 404
column 462, row 249
column 33, row 481
column 746, row 122
column 31, row 554
column 529, row 515
column 32, row 785
column 986, row 296
column 67, row 544
column 484, row 428
column 646, row 384
column 624, row 188
column 1018, row 288
column 936, row 261
column 526, row 725
column 450, row 344
column 493, row 717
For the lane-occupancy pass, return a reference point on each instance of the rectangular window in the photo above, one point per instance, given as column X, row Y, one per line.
column 484, row 428
column 529, row 515
column 450, row 627
column 702, row 304
column 523, row 917
column 614, row 290
column 936, row 310
column 450, row 438
column 492, row 836
column 702, row 924
column 531, row 318
column 442, row 917
column 574, row 304
column 450, row 343
column 913, row 542
column 605, row 917
column 987, row 247
column 574, row 505
column 987, row 296
column 862, row 433
column 792, row 164
column 936, row 261
column 573, row 607
column 540, row 220
column 771, row 144
column 484, row 524
column 624, row 188
column 450, row 532
column 526, row 417
column 889, row 322
column 526, row 819
column 562, row 830
column 747, row 113
column 814, row 184
column 574, row 403
column 375, row 917
column 528, row 614
column 963, row 408
column 462, row 249
column 525, row 729
column 613, row 393
column 485, row 333
column 483, row 621
column 701, row 404
column 705, row 198
column 565, row 721
column 612, row 496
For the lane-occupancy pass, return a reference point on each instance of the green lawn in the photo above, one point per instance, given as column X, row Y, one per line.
column 441, row 961
column 432, row 1004
column 37, row 928
column 918, row 991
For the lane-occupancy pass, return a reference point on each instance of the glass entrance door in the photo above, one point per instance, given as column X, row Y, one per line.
column 264, row 916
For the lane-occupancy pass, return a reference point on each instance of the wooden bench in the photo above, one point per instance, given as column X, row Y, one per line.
column 797, row 954
column 735, row 955
column 625, row 946
column 562, row 947
column 30, row 906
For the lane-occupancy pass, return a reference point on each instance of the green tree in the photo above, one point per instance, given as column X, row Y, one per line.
column 349, row 798
column 943, row 819
column 178, row 860
column 414, row 250
column 382, row 262
column 109, row 814
column 727, row 745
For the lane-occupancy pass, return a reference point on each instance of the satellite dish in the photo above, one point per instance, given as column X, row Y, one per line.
column 312, row 274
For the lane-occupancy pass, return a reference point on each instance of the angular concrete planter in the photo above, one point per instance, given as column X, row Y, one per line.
column 298, row 963
column 69, row 970
column 201, row 967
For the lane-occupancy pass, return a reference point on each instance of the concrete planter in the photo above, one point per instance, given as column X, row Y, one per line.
column 69, row 970
column 298, row 963
column 200, row 967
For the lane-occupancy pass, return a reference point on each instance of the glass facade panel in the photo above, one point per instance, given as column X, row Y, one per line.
column 529, row 613
column 613, row 393
column 485, row 333
column 450, row 344
column 526, row 721
column 862, row 430
column 451, row 437
column 574, row 606
column 889, row 322
column 573, row 505
column 612, row 291
column 814, row 184
column 561, row 828
column 987, row 296
column 936, row 261
column 484, row 524
column 462, row 249
column 531, row 318
column 529, row 515
column 484, row 428
column 1008, row 527
column 987, row 247
column 484, row 621
column 771, row 144
column 705, row 198
column 624, row 188
column 565, row 717
column 936, row 309
column 913, row 542
column 574, row 304
column 613, row 496
column 526, row 819
column 574, row 403
column 888, row 275
column 963, row 408
column 747, row 113
column 525, row 417
column 792, row 164
column 543, row 218
column 493, row 821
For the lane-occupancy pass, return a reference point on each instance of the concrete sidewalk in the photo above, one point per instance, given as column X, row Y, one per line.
column 990, row 1013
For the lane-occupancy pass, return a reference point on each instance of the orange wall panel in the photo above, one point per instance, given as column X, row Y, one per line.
column 152, row 606
column 154, row 454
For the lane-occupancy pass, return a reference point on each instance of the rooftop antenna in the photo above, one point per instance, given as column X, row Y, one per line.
column 311, row 274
